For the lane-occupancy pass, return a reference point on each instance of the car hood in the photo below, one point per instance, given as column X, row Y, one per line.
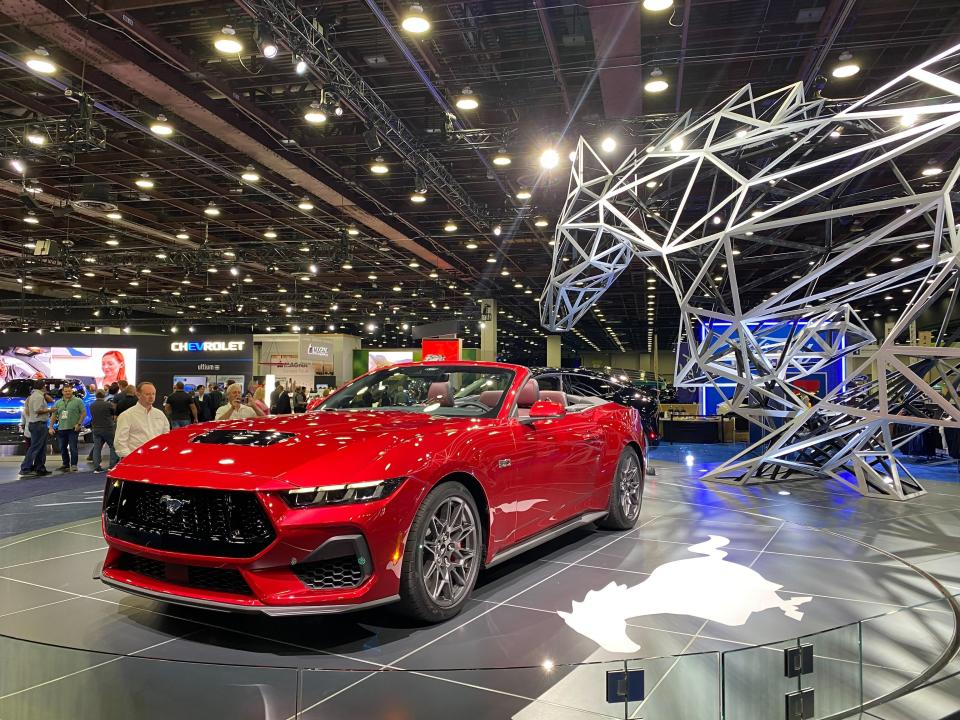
column 293, row 450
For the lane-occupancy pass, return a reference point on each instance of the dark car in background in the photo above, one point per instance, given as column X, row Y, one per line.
column 609, row 386
column 14, row 394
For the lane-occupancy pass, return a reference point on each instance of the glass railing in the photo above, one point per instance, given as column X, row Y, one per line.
column 831, row 674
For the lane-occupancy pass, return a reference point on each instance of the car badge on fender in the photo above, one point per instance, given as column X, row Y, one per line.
column 172, row 504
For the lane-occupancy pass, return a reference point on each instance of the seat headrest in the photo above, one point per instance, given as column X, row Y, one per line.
column 440, row 393
column 556, row 396
column 529, row 394
column 490, row 398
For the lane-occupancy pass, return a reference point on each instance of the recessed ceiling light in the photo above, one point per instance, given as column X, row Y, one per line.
column 144, row 182
column 541, row 221
column 450, row 227
column 31, row 219
column 113, row 242
column 931, row 170
column 415, row 21
column 502, row 159
column 523, row 194
column 161, row 127
column 471, row 245
column 227, row 41
column 211, row 209
column 305, row 204
column 467, row 100
column 608, row 144
column 656, row 83
column 39, row 61
column 270, row 234
column 250, row 174
column 418, row 197
column 847, row 67
column 549, row 159
column 114, row 215
column 315, row 113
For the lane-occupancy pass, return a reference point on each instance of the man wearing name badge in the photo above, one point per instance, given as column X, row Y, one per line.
column 68, row 414
column 141, row 423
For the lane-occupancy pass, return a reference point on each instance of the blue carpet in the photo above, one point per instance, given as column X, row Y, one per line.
column 58, row 482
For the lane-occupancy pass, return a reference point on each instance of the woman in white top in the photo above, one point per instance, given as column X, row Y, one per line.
column 233, row 409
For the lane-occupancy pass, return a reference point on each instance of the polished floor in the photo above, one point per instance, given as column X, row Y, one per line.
column 510, row 654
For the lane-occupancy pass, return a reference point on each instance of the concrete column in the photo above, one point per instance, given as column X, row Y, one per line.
column 553, row 351
column 488, row 329
column 655, row 364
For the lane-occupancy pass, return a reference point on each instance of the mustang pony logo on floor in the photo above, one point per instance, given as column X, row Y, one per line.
column 708, row 587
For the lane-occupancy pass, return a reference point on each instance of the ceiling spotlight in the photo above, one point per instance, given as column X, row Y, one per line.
column 301, row 66
column 39, row 61
column 315, row 114
column 497, row 230
column 491, row 259
column 35, row 137
column 676, row 144
column 211, row 210
column 112, row 242
column 835, row 133
column 305, row 204
column 471, row 245
column 352, row 230
column 501, row 159
column 18, row 165
column 160, row 126
column 549, row 159
column 379, row 166
column 451, row 226
column 182, row 235
column 846, row 68
column 467, row 100
column 347, row 265
column 264, row 39
column 270, row 233
column 415, row 21
column 541, row 222
column 608, row 144
column 652, row 184
column 227, row 41
column 656, row 83
column 143, row 182
column 523, row 194
column 417, row 197
column 931, row 169
column 250, row 175
column 31, row 219
column 114, row 215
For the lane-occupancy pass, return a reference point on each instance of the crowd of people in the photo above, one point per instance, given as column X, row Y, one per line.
column 123, row 417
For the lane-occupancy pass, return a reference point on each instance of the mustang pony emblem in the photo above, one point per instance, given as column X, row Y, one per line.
column 173, row 505
column 707, row 587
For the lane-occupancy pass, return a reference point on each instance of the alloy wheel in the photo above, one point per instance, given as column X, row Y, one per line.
column 631, row 487
column 450, row 551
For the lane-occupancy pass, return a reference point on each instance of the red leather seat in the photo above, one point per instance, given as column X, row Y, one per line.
column 440, row 394
column 556, row 396
column 527, row 396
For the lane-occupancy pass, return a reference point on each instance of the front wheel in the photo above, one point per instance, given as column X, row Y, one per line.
column 626, row 493
column 442, row 556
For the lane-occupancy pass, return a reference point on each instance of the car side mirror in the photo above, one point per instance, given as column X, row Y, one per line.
column 544, row 410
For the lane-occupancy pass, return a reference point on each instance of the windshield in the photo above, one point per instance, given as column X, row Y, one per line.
column 444, row 390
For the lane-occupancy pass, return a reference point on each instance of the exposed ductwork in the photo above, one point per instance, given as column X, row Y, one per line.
column 616, row 41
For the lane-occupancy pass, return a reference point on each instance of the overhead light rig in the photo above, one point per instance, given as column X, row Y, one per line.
column 307, row 39
column 56, row 139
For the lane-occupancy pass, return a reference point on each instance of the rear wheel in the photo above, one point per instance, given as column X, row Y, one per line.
column 626, row 492
column 442, row 556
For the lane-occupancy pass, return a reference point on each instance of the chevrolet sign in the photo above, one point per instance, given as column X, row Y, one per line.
column 208, row 346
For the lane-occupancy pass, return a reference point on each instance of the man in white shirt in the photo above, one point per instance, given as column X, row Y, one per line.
column 141, row 423
column 35, row 413
column 234, row 409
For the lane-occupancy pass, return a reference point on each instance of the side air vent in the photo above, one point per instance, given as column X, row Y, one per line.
column 252, row 438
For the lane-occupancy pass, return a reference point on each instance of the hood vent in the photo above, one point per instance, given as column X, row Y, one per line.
column 252, row 438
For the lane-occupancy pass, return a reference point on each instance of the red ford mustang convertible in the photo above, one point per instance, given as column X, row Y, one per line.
column 401, row 487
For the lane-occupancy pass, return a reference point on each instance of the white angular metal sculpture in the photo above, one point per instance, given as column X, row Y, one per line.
column 837, row 204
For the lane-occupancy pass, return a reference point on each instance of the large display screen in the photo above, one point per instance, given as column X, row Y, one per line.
column 100, row 366
column 382, row 359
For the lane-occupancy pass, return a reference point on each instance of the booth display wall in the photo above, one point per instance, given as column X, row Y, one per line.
column 361, row 358
column 158, row 358
column 327, row 354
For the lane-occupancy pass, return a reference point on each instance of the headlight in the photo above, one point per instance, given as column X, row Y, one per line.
column 344, row 494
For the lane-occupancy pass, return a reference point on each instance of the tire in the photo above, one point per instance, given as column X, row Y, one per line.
column 435, row 586
column 626, row 493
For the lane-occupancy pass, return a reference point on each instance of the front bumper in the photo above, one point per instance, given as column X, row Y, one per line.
column 320, row 560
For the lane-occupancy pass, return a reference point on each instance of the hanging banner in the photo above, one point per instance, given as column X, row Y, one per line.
column 435, row 350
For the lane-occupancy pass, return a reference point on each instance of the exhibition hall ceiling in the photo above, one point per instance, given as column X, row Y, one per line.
column 264, row 166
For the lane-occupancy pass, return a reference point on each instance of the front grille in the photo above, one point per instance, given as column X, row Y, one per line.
column 201, row 578
column 222, row 523
column 342, row 572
